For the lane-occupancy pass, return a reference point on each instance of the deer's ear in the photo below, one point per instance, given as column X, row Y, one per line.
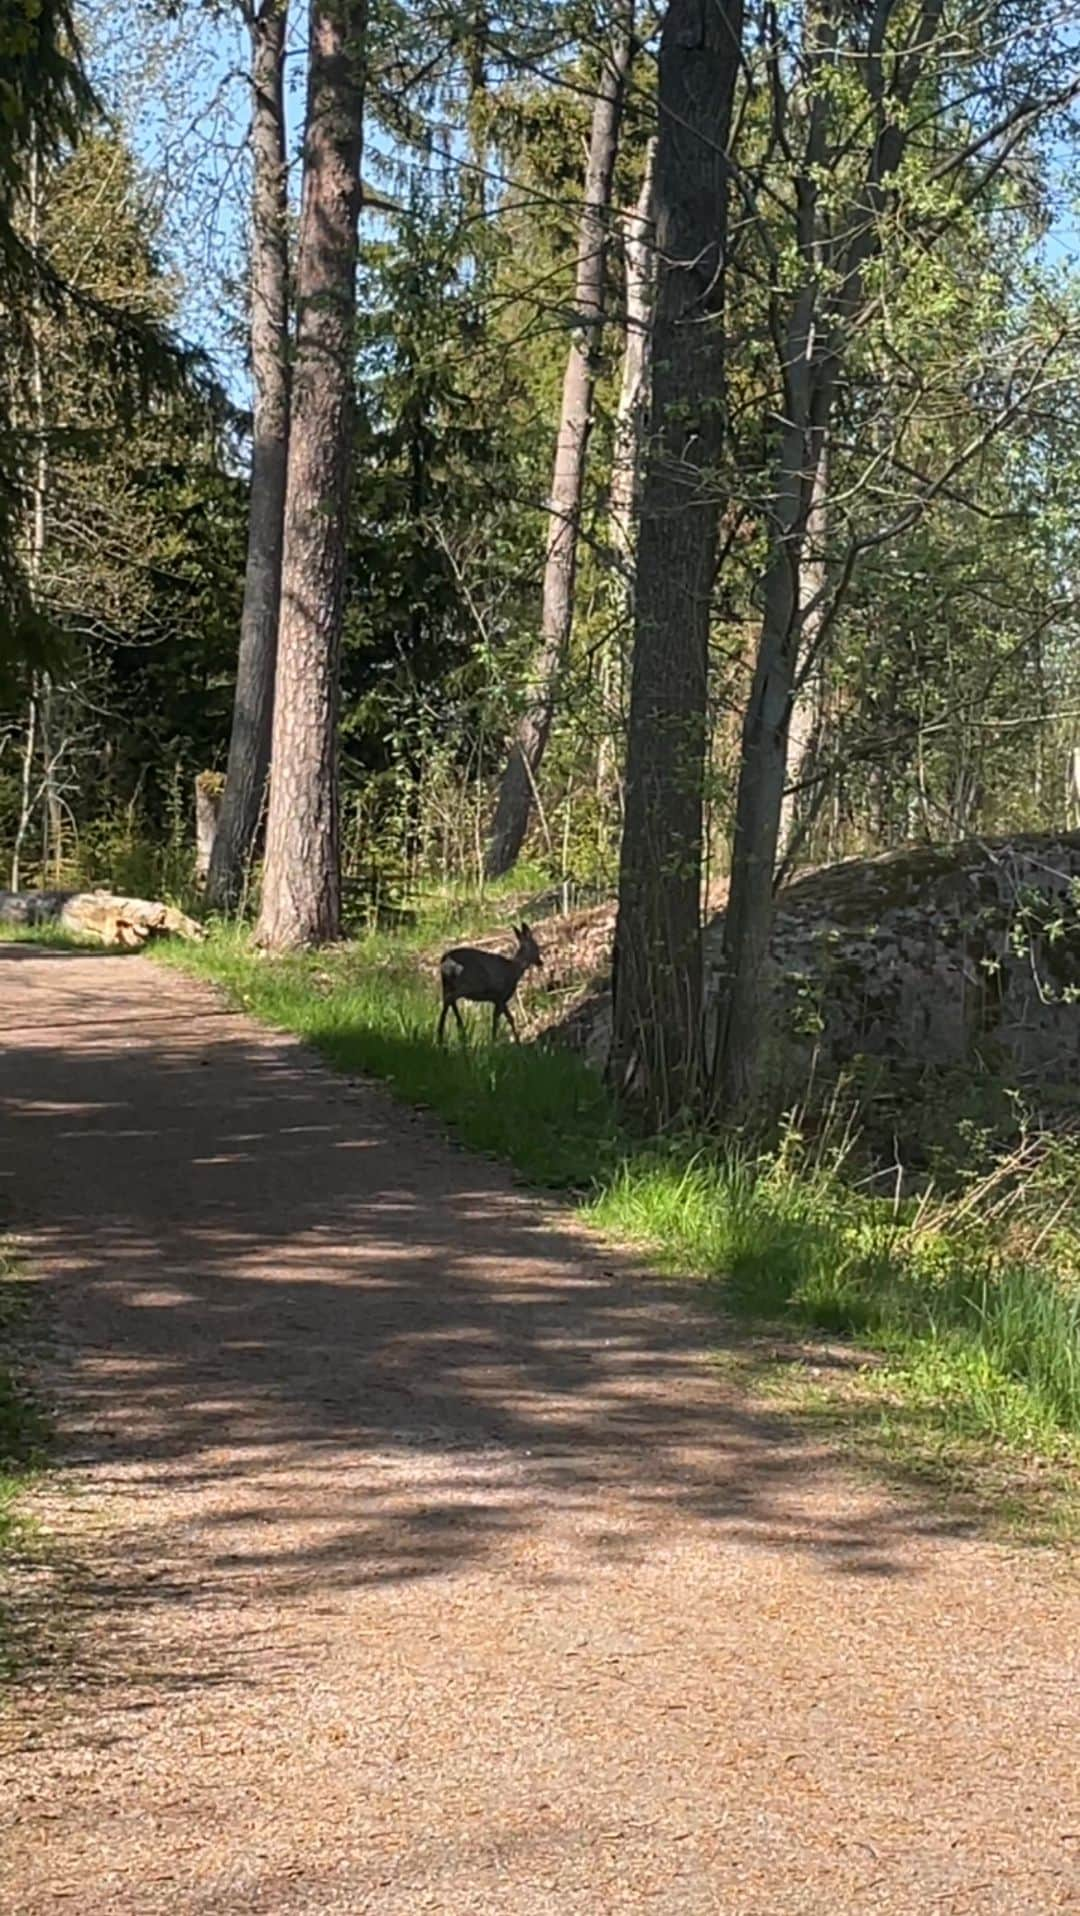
column 524, row 929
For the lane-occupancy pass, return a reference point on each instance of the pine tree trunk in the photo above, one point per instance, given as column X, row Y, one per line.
column 656, row 1035
column 253, row 705
column 514, row 805
column 301, row 901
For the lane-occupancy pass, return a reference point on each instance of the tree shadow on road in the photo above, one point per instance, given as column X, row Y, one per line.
column 353, row 1354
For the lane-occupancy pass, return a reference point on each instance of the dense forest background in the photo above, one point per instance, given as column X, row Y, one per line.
column 859, row 613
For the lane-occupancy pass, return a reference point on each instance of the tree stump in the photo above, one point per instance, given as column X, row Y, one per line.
column 209, row 792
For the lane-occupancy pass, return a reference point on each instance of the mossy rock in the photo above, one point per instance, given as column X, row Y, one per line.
column 935, row 954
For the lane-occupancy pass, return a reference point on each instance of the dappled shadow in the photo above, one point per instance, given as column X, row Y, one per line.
column 354, row 1354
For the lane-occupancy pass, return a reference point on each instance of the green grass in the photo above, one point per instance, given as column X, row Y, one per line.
column 23, row 1443
column 965, row 1359
column 964, row 1365
column 368, row 1008
column 52, row 935
column 974, row 1355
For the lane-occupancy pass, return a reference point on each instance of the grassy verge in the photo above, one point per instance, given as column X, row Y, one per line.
column 960, row 1357
column 368, row 1007
column 23, row 1440
column 961, row 1350
column 52, row 935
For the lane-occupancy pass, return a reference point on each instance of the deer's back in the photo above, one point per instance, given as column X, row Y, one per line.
column 482, row 976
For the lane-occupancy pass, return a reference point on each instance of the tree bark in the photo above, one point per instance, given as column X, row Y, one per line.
column 301, row 900
column 514, row 805
column 209, row 792
column 38, row 485
column 656, row 1034
column 52, row 840
column 764, row 748
column 631, row 418
column 253, row 704
column 814, row 339
column 804, row 732
column 639, row 250
column 26, row 786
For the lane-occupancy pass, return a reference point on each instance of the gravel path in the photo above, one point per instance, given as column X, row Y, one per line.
column 423, row 1562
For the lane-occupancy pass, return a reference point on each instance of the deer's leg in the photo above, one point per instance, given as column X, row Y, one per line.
column 496, row 1013
column 508, row 1015
column 460, row 1020
column 440, row 1034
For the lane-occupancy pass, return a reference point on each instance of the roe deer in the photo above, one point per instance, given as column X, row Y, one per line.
column 485, row 978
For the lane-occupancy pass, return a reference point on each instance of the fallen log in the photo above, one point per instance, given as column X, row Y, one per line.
column 98, row 914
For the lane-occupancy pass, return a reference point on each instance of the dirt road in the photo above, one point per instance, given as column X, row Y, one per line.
column 423, row 1562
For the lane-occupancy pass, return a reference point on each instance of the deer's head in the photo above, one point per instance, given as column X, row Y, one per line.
column 528, row 953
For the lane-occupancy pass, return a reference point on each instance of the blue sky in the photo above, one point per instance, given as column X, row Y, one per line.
column 180, row 90
column 179, row 87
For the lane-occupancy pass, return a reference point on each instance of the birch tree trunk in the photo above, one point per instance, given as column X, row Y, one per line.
column 639, row 252
column 631, row 418
column 656, row 1033
column 36, row 534
column 301, row 900
column 514, row 804
column 253, row 704
column 804, row 731
column 26, row 786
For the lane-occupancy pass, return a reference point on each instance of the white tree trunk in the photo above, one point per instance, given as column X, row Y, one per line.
column 805, row 727
column 631, row 418
column 516, row 791
column 628, row 450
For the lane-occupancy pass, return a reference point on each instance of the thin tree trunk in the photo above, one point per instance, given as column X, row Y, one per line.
column 639, row 258
column 36, row 541
column 53, row 832
column 656, row 1034
column 474, row 183
column 1072, row 788
column 514, row 805
column 763, row 760
column 804, row 731
column 301, row 901
column 639, row 250
column 253, row 705
column 26, row 786
column 814, row 340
